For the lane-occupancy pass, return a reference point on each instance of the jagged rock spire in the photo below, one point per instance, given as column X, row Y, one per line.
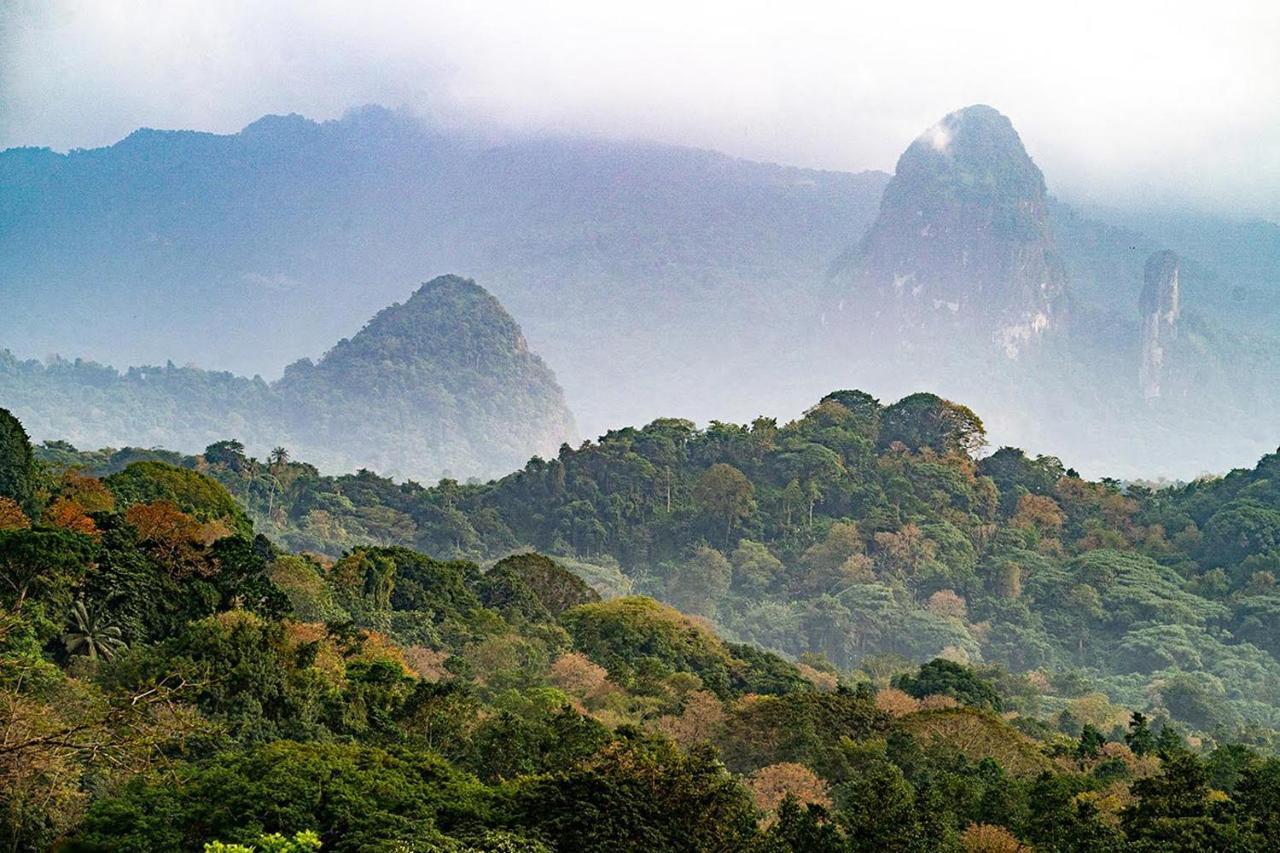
column 1159, row 309
column 963, row 239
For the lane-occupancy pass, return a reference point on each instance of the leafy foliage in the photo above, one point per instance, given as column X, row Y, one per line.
column 947, row 678
column 17, row 463
column 383, row 698
column 189, row 491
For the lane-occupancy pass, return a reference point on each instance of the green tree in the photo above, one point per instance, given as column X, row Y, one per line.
column 91, row 634
column 1169, row 742
column 948, row 678
column 641, row 796
column 1056, row 820
column 17, row 464
column 39, row 571
column 355, row 797
column 1173, row 810
column 1257, row 797
column 1191, row 700
column 305, row 841
column 725, row 493
column 557, row 588
column 927, row 421
column 1240, row 529
column 877, row 809
column 1091, row 742
column 699, row 583
column 866, row 410
column 278, row 458
column 1139, row 737
column 229, row 454
column 192, row 492
column 641, row 641
column 755, row 568
column 1015, row 474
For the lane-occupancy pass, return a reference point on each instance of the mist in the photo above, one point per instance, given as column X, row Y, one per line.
column 1142, row 104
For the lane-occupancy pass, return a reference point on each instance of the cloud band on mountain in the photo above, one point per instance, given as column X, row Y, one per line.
column 1142, row 102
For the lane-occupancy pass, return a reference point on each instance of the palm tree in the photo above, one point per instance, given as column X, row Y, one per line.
column 278, row 457
column 90, row 634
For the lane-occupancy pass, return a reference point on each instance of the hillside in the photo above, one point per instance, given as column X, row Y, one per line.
column 174, row 681
column 621, row 259
column 441, row 383
column 868, row 534
column 974, row 281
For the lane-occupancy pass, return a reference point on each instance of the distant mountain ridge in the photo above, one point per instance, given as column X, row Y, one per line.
column 443, row 383
column 655, row 278
column 205, row 248
column 1075, row 334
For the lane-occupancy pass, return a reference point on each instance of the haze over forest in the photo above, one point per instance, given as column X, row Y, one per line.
column 682, row 427
column 654, row 280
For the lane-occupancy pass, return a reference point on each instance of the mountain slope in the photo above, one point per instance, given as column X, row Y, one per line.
column 201, row 247
column 443, row 383
column 974, row 281
column 963, row 239
column 447, row 376
column 655, row 278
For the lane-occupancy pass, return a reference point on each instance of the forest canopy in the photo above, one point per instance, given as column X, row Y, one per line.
column 850, row 632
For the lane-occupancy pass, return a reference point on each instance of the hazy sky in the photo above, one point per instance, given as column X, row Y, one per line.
column 1125, row 102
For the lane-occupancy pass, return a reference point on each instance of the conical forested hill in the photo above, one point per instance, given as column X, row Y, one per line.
column 442, row 384
column 447, row 376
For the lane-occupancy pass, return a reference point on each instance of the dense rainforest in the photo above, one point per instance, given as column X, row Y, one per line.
column 855, row 631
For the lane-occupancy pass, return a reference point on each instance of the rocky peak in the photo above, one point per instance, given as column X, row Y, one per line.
column 445, row 376
column 449, row 320
column 963, row 239
column 972, row 155
column 1159, row 310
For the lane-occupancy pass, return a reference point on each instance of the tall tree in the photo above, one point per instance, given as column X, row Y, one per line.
column 726, row 494
column 17, row 463
column 927, row 421
column 90, row 634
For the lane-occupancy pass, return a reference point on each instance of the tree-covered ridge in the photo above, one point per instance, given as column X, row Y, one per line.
column 444, row 382
column 171, row 680
column 871, row 535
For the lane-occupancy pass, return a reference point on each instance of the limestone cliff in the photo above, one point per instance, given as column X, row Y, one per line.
column 1159, row 311
column 962, row 245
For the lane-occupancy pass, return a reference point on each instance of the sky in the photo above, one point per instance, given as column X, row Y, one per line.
column 1123, row 102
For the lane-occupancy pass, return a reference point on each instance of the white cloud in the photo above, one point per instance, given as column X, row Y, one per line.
column 1153, row 100
column 939, row 137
